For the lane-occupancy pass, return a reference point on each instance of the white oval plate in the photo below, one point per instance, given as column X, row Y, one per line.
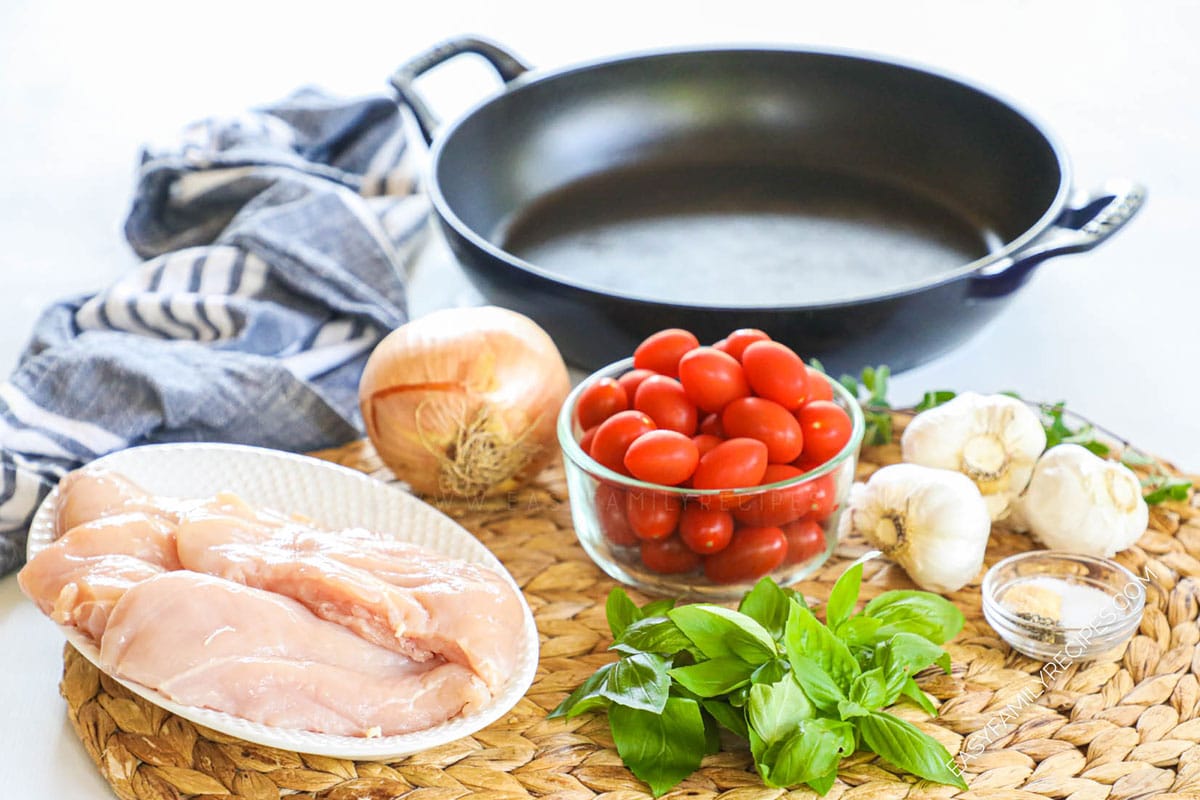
column 332, row 496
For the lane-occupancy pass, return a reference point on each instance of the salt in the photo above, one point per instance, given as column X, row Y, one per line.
column 1082, row 605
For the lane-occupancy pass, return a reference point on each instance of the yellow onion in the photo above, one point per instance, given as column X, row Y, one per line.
column 464, row 402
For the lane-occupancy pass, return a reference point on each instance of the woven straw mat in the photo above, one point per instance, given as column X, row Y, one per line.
column 1123, row 728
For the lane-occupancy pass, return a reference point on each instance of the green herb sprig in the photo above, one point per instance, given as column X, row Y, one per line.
column 802, row 692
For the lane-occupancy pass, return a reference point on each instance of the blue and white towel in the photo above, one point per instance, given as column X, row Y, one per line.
column 276, row 246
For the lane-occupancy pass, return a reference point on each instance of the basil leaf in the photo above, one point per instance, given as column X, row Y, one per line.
column 911, row 653
column 823, row 784
column 850, row 384
column 712, row 733
column 714, row 677
column 717, row 632
column 906, row 747
column 767, row 604
column 776, row 709
column 858, row 630
column 805, row 636
column 810, row 753
column 843, row 597
column 1166, row 488
column 934, row 399
column 620, row 611
column 770, row 671
column 652, row 635
column 871, row 691
column 730, row 718
column 586, row 697
column 923, row 613
column 658, row 608
column 848, row 709
column 914, row 693
column 661, row 749
column 818, row 687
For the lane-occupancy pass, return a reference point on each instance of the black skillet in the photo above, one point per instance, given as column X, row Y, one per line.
column 859, row 209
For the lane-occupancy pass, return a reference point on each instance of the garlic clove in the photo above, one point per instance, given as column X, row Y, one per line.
column 994, row 440
column 932, row 522
column 1082, row 503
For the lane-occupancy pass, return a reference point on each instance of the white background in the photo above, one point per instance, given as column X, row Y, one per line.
column 83, row 84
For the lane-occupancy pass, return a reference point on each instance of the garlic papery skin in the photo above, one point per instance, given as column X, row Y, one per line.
column 932, row 522
column 994, row 440
column 1082, row 503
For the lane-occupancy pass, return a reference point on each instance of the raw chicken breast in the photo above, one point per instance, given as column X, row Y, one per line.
column 399, row 596
column 208, row 642
column 93, row 493
column 78, row 578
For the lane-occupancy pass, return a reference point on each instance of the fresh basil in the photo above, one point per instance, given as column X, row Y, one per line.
column 804, row 635
column 914, row 693
column 818, row 687
column 775, row 710
column 767, row 604
column 620, row 611
column 660, row 748
column 906, row 747
column 585, row 698
column 770, row 671
column 730, row 718
column 637, row 681
column 922, row 613
column 934, row 399
column 718, row 632
column 714, row 677
column 871, row 690
column 652, row 635
column 843, row 597
column 811, row 752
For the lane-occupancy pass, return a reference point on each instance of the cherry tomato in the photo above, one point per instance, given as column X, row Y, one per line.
column 610, row 511
column 823, row 499
column 721, row 344
column 614, row 436
column 766, row 421
column 631, row 380
column 711, row 426
column 751, row 554
column 818, row 385
column 805, row 539
column 826, row 429
column 668, row 556
column 712, row 378
column 664, row 400
column 661, row 351
column 733, row 464
column 806, row 464
column 780, row 505
column 652, row 515
column 705, row 531
column 665, row 457
column 737, row 342
column 599, row 401
column 705, row 442
column 776, row 373
column 585, row 441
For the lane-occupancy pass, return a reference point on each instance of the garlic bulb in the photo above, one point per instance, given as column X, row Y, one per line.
column 994, row 440
column 1082, row 503
column 932, row 522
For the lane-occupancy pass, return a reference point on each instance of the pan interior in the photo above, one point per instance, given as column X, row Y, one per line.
column 740, row 234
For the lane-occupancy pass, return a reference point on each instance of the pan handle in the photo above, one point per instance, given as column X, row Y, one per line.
column 507, row 65
column 1086, row 222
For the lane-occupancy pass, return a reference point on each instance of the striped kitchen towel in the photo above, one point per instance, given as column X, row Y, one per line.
column 276, row 245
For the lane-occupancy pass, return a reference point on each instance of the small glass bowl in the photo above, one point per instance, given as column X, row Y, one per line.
column 601, row 497
column 1101, row 607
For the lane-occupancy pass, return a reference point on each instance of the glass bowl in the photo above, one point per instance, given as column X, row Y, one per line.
column 601, row 500
column 1057, row 606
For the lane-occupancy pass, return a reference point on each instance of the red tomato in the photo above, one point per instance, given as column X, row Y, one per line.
column 705, row 531
column 711, row 426
column 585, row 441
column 705, row 442
column 823, row 499
column 665, row 457
column 610, row 512
column 805, row 539
column 614, row 436
column 721, row 344
column 780, row 505
column 652, row 515
column 751, row 554
column 661, row 351
column 599, row 401
column 826, row 429
column 737, row 342
column 766, row 421
column 631, row 380
column 668, row 556
column 776, row 373
column 663, row 399
column 733, row 464
column 818, row 385
column 712, row 378
column 806, row 464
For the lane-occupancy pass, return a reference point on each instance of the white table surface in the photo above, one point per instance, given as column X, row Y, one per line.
column 83, row 84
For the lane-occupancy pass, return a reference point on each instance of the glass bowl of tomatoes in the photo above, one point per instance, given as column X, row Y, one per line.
column 699, row 470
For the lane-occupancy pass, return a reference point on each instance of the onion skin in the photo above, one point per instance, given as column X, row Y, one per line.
column 464, row 402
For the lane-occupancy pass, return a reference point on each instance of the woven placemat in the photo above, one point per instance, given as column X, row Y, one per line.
column 1123, row 728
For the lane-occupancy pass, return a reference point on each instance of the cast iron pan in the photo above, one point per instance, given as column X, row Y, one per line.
column 859, row 209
